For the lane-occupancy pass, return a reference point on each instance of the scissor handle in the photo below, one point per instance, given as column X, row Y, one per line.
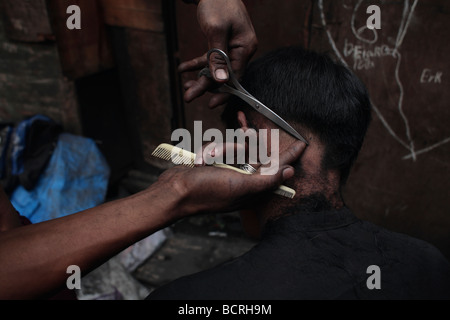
column 231, row 74
column 239, row 91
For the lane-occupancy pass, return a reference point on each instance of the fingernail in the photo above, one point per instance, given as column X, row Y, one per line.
column 221, row 74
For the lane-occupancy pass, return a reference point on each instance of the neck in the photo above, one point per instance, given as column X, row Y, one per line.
column 314, row 193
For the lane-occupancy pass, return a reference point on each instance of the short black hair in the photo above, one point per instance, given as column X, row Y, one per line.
column 312, row 90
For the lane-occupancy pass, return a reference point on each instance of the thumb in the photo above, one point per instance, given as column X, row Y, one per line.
column 261, row 183
column 290, row 155
column 217, row 64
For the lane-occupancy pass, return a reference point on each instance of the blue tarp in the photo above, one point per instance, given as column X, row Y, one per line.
column 19, row 142
column 75, row 179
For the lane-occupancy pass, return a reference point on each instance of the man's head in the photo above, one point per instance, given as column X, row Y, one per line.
column 315, row 95
column 321, row 99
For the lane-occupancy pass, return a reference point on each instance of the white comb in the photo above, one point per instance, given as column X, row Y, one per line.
column 179, row 156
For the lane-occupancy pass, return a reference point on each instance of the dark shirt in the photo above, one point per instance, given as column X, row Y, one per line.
column 322, row 255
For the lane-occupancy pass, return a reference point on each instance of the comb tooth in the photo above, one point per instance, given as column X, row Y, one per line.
column 176, row 155
column 176, row 160
column 187, row 162
column 166, row 154
column 180, row 157
column 156, row 153
column 284, row 193
column 162, row 153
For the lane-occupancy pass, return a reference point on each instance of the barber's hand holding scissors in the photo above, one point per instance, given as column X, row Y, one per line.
column 227, row 26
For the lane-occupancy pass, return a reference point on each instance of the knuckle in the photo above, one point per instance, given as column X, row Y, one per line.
column 215, row 25
column 178, row 184
column 180, row 187
column 217, row 59
column 195, row 62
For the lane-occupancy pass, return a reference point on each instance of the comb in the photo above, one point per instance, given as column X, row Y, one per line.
column 182, row 157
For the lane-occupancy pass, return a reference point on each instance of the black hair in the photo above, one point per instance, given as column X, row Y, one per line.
column 313, row 91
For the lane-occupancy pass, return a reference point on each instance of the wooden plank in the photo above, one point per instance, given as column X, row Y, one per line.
column 145, row 81
column 148, row 58
column 82, row 52
column 138, row 14
column 26, row 20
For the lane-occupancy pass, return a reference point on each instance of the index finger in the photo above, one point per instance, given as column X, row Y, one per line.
column 292, row 153
column 194, row 64
column 256, row 183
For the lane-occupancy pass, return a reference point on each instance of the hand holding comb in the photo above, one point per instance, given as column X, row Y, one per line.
column 182, row 157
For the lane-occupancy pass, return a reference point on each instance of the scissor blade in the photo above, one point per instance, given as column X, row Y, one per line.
column 261, row 108
column 280, row 122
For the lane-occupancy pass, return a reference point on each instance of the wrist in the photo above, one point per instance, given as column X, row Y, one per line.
column 169, row 199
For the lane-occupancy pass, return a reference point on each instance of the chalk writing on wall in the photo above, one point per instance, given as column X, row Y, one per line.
column 364, row 50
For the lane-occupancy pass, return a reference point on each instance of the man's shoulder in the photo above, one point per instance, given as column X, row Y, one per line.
column 411, row 256
column 212, row 284
column 395, row 241
column 409, row 268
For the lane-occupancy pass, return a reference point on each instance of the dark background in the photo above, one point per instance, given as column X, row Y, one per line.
column 116, row 82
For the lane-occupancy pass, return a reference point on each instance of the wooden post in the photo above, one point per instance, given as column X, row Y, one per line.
column 82, row 52
column 140, row 47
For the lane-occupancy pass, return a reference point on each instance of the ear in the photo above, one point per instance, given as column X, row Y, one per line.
column 242, row 119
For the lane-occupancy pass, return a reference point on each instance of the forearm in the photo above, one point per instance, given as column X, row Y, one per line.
column 34, row 259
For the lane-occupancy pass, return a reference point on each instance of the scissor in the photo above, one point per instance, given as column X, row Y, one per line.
column 240, row 92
